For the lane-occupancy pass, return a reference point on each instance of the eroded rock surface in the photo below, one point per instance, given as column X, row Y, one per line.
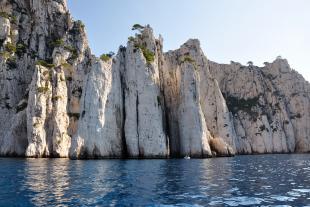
column 99, row 132
column 58, row 100
column 266, row 104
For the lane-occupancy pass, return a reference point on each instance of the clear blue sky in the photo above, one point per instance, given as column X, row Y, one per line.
column 239, row 30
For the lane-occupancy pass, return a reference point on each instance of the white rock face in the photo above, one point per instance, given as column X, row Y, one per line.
column 58, row 100
column 144, row 127
column 188, row 132
column 100, row 126
column 47, row 119
column 197, row 110
column 193, row 131
column 40, row 30
column 38, row 110
column 5, row 28
column 61, row 141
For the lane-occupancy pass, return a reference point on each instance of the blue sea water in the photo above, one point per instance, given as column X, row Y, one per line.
column 262, row 180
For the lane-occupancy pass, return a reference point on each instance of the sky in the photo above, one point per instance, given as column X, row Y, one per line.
column 238, row 30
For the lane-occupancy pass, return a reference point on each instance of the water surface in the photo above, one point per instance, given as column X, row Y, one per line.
column 262, row 180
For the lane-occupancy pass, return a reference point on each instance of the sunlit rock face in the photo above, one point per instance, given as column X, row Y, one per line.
column 58, row 100
column 144, row 120
column 99, row 132
column 44, row 56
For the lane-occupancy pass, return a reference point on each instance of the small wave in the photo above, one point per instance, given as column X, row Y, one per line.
column 302, row 190
column 243, row 201
column 282, row 198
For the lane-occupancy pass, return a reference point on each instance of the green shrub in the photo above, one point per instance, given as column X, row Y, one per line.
column 105, row 57
column 74, row 55
column 69, row 48
column 42, row 89
column 11, row 62
column 188, row 59
column 250, row 63
column 111, row 54
column 56, row 98
column 50, row 76
column 74, row 52
column 148, row 54
column 33, row 54
column 5, row 54
column 80, row 24
column 20, row 49
column 131, row 39
column 57, row 43
column 140, row 36
column 66, row 65
column 137, row 27
column 68, row 69
column 45, row 64
column 4, row 15
column 10, row 47
column 12, row 18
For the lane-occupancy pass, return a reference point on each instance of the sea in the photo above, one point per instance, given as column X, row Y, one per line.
column 248, row 180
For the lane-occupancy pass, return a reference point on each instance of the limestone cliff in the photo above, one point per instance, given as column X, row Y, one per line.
column 58, row 100
column 270, row 106
column 44, row 56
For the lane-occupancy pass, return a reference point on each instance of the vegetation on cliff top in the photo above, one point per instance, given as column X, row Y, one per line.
column 148, row 54
column 45, row 64
column 107, row 56
column 137, row 27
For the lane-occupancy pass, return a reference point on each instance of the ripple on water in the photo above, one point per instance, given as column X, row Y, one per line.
column 243, row 201
column 282, row 206
column 232, row 190
column 302, row 190
column 179, row 204
column 282, row 198
column 294, row 193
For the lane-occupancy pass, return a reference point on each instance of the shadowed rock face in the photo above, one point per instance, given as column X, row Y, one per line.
column 57, row 100
column 270, row 106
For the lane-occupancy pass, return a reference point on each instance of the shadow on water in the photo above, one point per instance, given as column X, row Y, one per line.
column 242, row 180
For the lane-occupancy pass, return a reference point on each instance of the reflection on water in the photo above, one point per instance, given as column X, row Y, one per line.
column 264, row 180
column 42, row 175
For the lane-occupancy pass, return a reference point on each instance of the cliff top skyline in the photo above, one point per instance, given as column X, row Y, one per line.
column 258, row 31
